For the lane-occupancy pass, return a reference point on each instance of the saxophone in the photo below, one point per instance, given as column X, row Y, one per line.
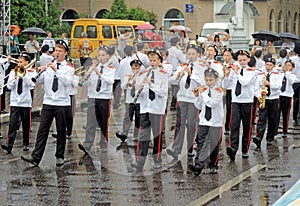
column 264, row 92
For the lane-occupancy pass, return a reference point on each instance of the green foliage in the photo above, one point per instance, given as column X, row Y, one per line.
column 119, row 10
column 32, row 13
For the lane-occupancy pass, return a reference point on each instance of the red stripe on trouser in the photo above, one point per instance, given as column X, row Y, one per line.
column 229, row 139
column 159, row 137
column 288, row 114
column 137, row 149
column 219, row 142
column 107, row 120
column 250, row 128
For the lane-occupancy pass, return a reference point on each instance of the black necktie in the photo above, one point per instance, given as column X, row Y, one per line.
column 20, row 86
column 151, row 93
column 268, row 86
column 55, row 80
column 283, row 87
column 188, row 79
column 132, row 92
column 208, row 109
column 99, row 80
column 238, row 87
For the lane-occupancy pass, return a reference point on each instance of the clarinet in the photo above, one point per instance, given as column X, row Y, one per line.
column 41, row 72
column 140, row 90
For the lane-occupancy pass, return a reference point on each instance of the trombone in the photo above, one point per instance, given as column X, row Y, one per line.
column 13, row 60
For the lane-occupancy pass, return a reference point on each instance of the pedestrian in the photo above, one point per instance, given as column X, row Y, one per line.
column 123, row 42
column 50, row 42
column 269, row 114
column 132, row 109
column 242, row 81
column 100, row 79
column 84, row 47
column 286, row 95
column 210, row 102
column 19, row 83
column 14, row 43
column 32, row 46
column 57, row 78
column 288, row 44
column 296, row 85
column 65, row 38
column 187, row 113
column 152, row 92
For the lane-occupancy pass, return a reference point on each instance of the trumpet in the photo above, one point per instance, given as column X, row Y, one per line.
column 94, row 64
column 13, row 60
column 131, row 80
column 140, row 90
column 264, row 92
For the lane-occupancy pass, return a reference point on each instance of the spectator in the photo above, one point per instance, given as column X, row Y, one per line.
column 64, row 37
column 123, row 42
column 256, row 46
column 50, row 42
column 84, row 47
column 271, row 49
column 183, row 41
column 288, row 44
column 32, row 46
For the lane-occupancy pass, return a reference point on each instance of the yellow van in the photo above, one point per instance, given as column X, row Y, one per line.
column 100, row 31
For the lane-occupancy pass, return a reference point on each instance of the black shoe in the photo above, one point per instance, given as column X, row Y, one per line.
column 284, row 135
column 230, row 153
column 213, row 170
column 157, row 165
column 256, row 141
column 54, row 136
column 69, row 136
column 30, row 160
column 1, row 137
column 25, row 148
column 4, row 111
column 245, row 155
column 226, row 132
column 172, row 153
column 197, row 169
column 121, row 136
column 138, row 168
column 8, row 150
column 269, row 142
column 172, row 108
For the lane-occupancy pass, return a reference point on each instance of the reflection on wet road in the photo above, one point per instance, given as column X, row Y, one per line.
column 106, row 179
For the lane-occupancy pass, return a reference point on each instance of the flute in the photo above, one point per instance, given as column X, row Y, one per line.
column 39, row 74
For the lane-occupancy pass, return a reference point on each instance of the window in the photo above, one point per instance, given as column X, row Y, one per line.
column 279, row 23
column 91, row 31
column 271, row 20
column 287, row 22
column 69, row 16
column 77, row 32
column 295, row 23
column 107, row 32
column 100, row 14
column 121, row 29
column 173, row 17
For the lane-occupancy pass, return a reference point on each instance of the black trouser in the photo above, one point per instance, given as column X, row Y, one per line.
column 15, row 114
column 254, row 110
column 48, row 113
column 285, row 104
column 174, row 91
column 268, row 114
column 70, row 113
column 208, row 140
column 117, row 92
column 155, row 122
column 241, row 112
column 228, row 110
column 97, row 115
column 296, row 87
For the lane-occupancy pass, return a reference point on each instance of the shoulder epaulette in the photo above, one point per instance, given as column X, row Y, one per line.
column 250, row 69
column 110, row 67
column 219, row 89
column 184, row 64
column 275, row 72
column 162, row 71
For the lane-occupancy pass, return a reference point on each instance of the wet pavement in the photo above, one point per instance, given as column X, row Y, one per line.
column 106, row 178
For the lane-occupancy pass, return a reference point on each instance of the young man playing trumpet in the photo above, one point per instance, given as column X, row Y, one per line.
column 19, row 83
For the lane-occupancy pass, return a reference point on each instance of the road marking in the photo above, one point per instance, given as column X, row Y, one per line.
column 225, row 187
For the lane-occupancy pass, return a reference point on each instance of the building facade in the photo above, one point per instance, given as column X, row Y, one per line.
column 275, row 15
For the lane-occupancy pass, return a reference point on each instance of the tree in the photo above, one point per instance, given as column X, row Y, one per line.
column 32, row 13
column 119, row 10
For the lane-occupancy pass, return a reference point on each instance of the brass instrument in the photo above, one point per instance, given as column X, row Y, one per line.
column 13, row 60
column 94, row 64
column 140, row 90
column 264, row 92
column 131, row 80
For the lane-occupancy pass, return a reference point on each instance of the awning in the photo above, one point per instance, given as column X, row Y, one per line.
column 227, row 8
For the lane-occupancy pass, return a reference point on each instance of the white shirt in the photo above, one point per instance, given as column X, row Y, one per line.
column 31, row 46
column 129, row 99
column 114, row 61
column 4, row 64
column 125, row 67
column 62, row 96
column 247, row 82
column 50, row 42
column 159, row 87
column 107, row 81
column 45, row 59
column 296, row 71
column 74, row 85
column 290, row 79
column 215, row 102
column 175, row 57
column 275, row 83
column 143, row 58
column 24, row 99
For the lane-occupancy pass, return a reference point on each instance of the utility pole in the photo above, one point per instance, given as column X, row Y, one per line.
column 5, row 25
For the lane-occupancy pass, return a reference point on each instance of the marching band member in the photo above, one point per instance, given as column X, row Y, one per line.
column 210, row 102
column 286, row 95
column 20, row 84
column 270, row 112
column 153, row 90
column 242, row 81
column 129, row 85
column 228, row 61
column 187, row 113
column 100, row 81
column 57, row 79
column 296, row 85
column 211, row 53
column 175, row 57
